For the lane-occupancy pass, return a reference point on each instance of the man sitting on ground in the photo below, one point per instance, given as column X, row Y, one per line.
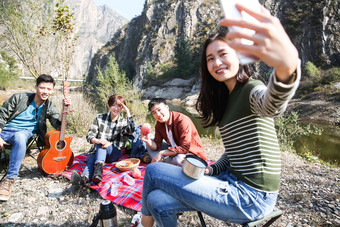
column 177, row 130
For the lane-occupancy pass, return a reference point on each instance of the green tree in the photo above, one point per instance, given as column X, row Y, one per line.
column 183, row 58
column 63, row 31
column 8, row 70
column 111, row 80
column 38, row 33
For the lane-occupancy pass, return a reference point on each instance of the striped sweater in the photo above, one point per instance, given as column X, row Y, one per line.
column 247, row 129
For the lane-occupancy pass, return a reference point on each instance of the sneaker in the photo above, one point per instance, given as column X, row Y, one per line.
column 98, row 170
column 6, row 189
column 137, row 220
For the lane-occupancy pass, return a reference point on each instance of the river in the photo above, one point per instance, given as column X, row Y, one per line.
column 326, row 146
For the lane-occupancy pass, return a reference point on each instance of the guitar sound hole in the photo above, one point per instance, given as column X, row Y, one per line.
column 61, row 145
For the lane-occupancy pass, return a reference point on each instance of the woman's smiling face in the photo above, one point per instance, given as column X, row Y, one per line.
column 222, row 61
column 116, row 109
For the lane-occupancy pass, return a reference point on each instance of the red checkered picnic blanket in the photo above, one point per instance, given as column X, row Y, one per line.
column 128, row 196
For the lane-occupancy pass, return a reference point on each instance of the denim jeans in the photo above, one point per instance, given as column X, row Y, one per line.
column 18, row 139
column 107, row 155
column 167, row 191
column 137, row 145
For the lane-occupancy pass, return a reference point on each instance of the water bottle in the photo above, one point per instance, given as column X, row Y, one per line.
column 128, row 180
column 114, row 189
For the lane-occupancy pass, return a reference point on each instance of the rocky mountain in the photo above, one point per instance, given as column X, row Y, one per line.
column 149, row 39
column 95, row 26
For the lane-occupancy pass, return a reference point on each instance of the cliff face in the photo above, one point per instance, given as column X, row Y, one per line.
column 151, row 37
column 313, row 26
column 94, row 27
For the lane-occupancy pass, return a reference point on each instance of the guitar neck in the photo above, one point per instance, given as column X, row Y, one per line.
column 63, row 123
column 66, row 92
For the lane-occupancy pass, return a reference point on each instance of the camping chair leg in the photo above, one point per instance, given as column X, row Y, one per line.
column 33, row 140
column 3, row 177
column 201, row 218
column 29, row 169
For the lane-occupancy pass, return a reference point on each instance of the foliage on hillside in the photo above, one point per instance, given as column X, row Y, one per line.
column 316, row 80
column 112, row 80
column 8, row 70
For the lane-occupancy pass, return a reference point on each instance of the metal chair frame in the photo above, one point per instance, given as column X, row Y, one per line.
column 265, row 221
column 30, row 145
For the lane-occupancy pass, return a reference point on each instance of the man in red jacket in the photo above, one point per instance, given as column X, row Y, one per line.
column 178, row 131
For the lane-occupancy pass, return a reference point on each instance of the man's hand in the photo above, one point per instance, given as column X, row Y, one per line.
column 2, row 144
column 67, row 101
column 146, row 139
column 158, row 157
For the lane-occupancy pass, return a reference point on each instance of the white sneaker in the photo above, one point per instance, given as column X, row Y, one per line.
column 137, row 219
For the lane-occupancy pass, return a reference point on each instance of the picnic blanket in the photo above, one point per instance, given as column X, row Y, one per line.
column 129, row 196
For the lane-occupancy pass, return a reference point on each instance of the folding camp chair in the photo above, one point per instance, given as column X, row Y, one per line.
column 265, row 221
column 4, row 155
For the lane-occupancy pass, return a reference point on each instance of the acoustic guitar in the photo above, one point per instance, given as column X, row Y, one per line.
column 57, row 154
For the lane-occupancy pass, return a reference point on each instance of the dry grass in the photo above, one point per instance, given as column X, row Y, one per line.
column 213, row 147
column 80, row 120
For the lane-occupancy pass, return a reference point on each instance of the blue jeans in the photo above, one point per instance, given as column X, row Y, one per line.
column 18, row 139
column 107, row 155
column 137, row 145
column 167, row 191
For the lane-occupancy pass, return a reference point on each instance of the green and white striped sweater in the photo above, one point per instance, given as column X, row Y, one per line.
column 252, row 151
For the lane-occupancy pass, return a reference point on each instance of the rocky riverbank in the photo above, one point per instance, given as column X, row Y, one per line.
column 318, row 107
column 309, row 196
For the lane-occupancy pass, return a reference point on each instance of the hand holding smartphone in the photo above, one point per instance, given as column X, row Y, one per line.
column 231, row 12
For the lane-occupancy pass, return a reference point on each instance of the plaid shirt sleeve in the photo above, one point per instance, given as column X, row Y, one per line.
column 93, row 131
column 120, row 129
column 113, row 131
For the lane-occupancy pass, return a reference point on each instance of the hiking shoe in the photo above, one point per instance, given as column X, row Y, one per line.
column 85, row 180
column 98, row 170
column 75, row 179
column 6, row 189
column 146, row 158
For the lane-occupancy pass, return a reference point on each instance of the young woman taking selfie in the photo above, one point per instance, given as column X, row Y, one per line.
column 243, row 184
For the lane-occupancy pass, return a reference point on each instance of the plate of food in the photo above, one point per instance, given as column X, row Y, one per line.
column 128, row 164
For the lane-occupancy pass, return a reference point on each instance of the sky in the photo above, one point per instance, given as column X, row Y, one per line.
column 127, row 8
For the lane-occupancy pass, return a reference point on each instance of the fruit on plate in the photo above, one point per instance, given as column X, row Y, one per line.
column 145, row 128
column 136, row 173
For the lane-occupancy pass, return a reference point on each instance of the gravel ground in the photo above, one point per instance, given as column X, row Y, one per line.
column 309, row 196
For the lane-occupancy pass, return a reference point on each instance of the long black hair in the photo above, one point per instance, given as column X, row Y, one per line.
column 213, row 96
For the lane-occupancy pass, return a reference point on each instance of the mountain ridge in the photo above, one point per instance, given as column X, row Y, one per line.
column 150, row 38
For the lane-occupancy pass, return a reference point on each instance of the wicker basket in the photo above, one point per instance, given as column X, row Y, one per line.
column 128, row 164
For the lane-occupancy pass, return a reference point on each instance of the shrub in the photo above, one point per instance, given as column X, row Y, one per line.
column 331, row 75
column 289, row 129
column 312, row 71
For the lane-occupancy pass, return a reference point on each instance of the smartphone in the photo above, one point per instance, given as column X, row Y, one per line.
column 231, row 12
